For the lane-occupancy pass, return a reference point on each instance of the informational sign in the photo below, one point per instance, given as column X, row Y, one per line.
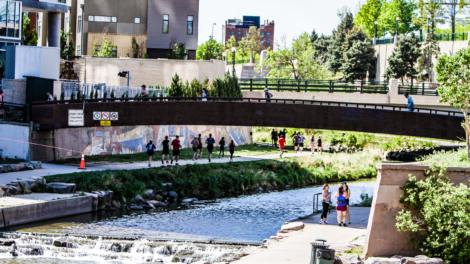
column 96, row 115
column 76, row 118
column 105, row 123
column 104, row 115
column 113, row 116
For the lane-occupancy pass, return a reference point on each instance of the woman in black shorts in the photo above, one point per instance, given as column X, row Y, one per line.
column 166, row 149
column 150, row 150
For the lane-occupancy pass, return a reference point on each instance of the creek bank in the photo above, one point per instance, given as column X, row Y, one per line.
column 32, row 165
column 411, row 155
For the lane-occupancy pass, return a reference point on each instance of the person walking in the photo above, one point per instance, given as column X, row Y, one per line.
column 199, row 146
column 282, row 144
column 325, row 203
column 176, row 150
column 210, row 141
column 296, row 139
column 411, row 104
column 232, row 148
column 341, row 208
column 348, row 191
column 2, row 98
column 222, row 147
column 150, row 150
column 319, row 145
column 204, row 95
column 274, row 138
column 166, row 149
column 144, row 93
column 301, row 142
column 267, row 95
column 49, row 97
column 194, row 144
column 312, row 144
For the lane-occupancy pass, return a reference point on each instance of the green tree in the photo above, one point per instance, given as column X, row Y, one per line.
column 321, row 48
column 337, row 47
column 296, row 62
column 210, row 49
column 179, row 52
column 403, row 9
column 66, row 43
column 135, row 48
column 105, row 50
column 254, row 41
column 359, row 60
column 453, row 75
column 367, row 15
column 313, row 37
column 404, row 58
column 176, row 88
column 30, row 36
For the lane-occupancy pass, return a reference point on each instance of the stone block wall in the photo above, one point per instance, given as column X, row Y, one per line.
column 14, row 131
column 15, row 90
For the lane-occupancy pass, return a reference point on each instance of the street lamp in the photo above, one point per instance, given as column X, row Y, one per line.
column 224, row 55
column 429, row 17
column 398, row 19
column 233, row 60
column 213, row 30
column 376, row 23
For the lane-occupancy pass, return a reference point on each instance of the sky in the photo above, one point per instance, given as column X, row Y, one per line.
column 291, row 17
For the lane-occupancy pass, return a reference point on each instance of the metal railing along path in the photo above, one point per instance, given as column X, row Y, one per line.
column 257, row 100
column 13, row 112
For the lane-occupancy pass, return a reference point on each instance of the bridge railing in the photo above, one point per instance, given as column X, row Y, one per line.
column 327, row 86
column 256, row 100
column 69, row 87
column 419, row 89
column 13, row 112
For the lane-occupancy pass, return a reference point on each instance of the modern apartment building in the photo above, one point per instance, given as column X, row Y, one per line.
column 240, row 28
column 156, row 24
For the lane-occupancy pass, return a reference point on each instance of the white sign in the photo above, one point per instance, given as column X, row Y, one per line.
column 104, row 115
column 96, row 115
column 114, row 116
column 76, row 118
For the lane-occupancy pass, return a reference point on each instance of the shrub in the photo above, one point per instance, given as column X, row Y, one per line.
column 439, row 220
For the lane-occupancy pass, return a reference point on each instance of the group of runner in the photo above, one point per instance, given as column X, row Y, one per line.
column 196, row 145
column 298, row 139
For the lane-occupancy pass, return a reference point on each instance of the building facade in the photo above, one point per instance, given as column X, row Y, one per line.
column 240, row 29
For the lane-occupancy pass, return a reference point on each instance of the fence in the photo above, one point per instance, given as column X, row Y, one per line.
column 13, row 112
column 328, row 86
column 69, row 87
column 439, row 37
column 419, row 89
column 384, row 41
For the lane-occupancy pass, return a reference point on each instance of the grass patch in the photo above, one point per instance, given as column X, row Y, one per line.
column 355, row 250
column 210, row 181
column 447, row 159
column 186, row 154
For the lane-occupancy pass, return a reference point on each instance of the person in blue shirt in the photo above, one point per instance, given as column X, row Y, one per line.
column 341, row 208
column 411, row 104
column 210, row 141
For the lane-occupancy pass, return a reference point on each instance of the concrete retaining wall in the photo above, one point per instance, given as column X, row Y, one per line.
column 383, row 238
column 30, row 213
column 15, row 131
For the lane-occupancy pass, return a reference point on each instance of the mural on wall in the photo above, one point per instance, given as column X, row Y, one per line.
column 133, row 139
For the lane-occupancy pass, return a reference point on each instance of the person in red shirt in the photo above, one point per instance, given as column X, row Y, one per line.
column 282, row 144
column 176, row 149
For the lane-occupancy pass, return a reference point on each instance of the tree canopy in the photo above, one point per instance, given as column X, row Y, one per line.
column 403, row 9
column 358, row 61
column 403, row 60
column 210, row 49
column 367, row 15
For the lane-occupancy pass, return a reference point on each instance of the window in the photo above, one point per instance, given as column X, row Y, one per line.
column 166, row 24
column 107, row 19
column 79, row 50
column 114, row 19
column 262, row 34
column 137, row 20
column 262, row 43
column 10, row 22
column 90, row 18
column 190, row 25
column 268, row 43
column 232, row 33
column 269, row 34
column 79, row 26
column 239, row 34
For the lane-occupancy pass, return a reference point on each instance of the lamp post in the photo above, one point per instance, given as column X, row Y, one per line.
column 224, row 55
column 398, row 19
column 233, row 60
column 82, row 6
column 376, row 23
column 213, row 30
column 429, row 17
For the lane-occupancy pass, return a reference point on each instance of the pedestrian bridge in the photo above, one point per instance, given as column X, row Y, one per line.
column 360, row 117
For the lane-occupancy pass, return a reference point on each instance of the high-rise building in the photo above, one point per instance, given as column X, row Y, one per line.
column 239, row 28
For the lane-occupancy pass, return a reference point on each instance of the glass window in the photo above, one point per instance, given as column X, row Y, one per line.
column 262, row 43
column 3, row 13
column 269, row 34
column 262, row 34
column 79, row 26
column 114, row 19
column 166, row 24
column 40, row 26
column 137, row 20
column 102, row 19
column 79, row 50
column 11, row 14
column 190, row 25
column 232, row 33
column 17, row 15
column 268, row 43
column 3, row 46
column 239, row 34
column 91, row 18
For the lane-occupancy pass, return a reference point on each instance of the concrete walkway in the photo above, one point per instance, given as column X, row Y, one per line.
column 53, row 169
column 17, row 200
column 295, row 246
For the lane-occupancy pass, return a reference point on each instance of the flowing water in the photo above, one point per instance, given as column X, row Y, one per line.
column 168, row 236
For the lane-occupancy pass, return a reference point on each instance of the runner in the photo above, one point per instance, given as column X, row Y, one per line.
column 166, row 149
column 150, row 150
column 312, row 144
column 301, row 142
column 319, row 145
column 276, row 137
column 341, row 208
column 194, row 144
column 296, row 139
column 199, row 146
column 325, row 203
column 210, row 141
column 222, row 147
column 232, row 148
column 176, row 150
column 346, row 188
column 282, row 143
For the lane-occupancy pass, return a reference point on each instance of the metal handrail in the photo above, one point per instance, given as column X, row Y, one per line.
column 256, row 100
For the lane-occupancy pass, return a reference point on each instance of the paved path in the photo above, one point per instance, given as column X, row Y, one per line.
column 53, row 169
column 295, row 246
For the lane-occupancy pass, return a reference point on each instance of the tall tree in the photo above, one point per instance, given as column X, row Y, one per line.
column 210, row 49
column 336, row 48
column 403, row 9
column 30, row 36
column 66, row 43
column 313, row 36
column 254, row 41
column 453, row 75
column 177, row 86
column 321, row 48
column 367, row 15
column 358, row 61
column 403, row 60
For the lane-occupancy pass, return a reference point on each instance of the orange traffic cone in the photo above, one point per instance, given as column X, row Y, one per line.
column 82, row 163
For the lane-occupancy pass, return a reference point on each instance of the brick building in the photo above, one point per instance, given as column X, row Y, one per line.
column 240, row 28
